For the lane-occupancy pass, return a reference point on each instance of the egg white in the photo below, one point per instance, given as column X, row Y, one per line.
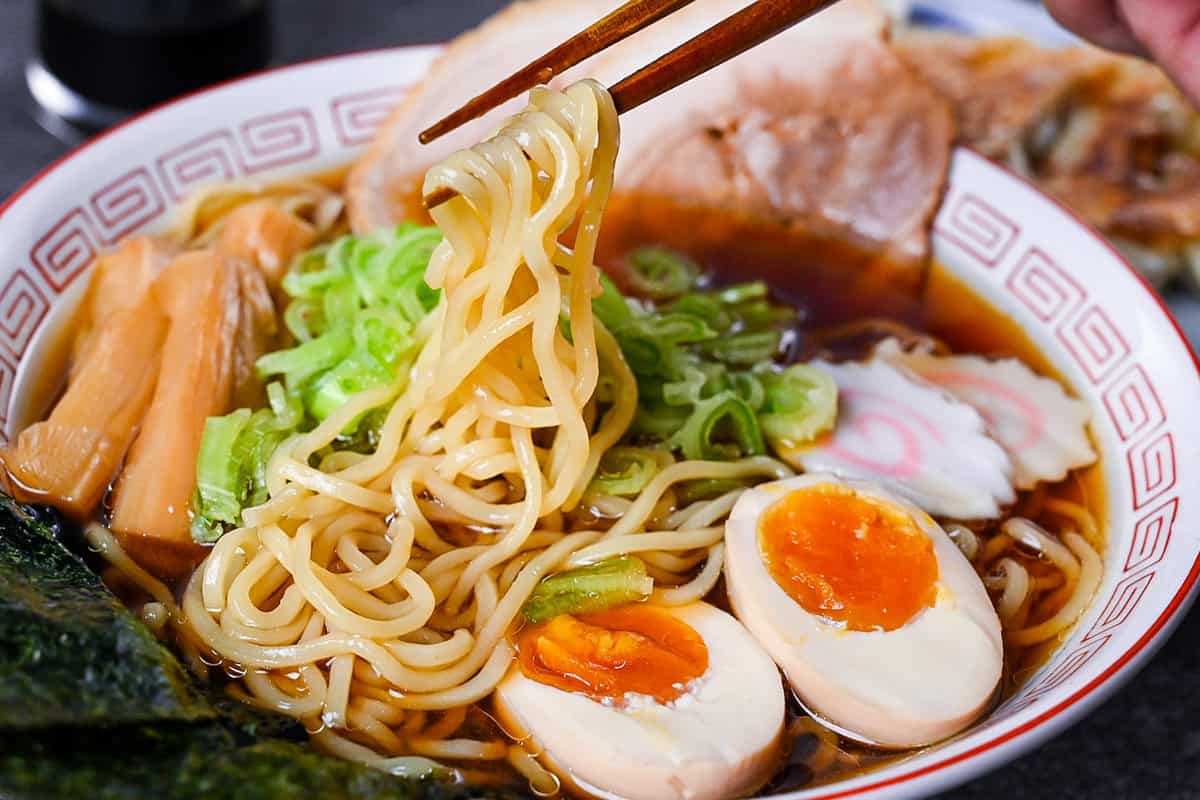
column 908, row 687
column 720, row 739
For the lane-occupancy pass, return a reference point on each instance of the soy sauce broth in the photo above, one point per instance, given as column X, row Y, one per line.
column 835, row 284
column 830, row 284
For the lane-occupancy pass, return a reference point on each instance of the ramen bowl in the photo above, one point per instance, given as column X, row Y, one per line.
column 1088, row 312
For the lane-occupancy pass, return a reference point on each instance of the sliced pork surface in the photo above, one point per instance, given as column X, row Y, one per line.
column 383, row 188
column 823, row 127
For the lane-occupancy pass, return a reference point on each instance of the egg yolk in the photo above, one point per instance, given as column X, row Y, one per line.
column 848, row 558
column 634, row 649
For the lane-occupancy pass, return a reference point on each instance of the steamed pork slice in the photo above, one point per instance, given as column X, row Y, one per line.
column 821, row 128
column 383, row 187
column 70, row 458
column 1043, row 429
column 912, row 438
column 266, row 236
column 845, row 142
column 877, row 619
column 647, row 702
column 199, row 292
column 119, row 281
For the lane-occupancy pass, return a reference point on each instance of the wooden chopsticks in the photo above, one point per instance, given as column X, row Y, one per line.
column 620, row 24
column 752, row 25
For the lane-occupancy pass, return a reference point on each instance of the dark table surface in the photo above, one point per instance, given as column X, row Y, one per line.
column 1143, row 743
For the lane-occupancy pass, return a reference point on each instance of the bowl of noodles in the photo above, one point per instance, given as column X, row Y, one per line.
column 697, row 453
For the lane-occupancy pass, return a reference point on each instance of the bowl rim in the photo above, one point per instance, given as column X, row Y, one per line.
column 1020, row 739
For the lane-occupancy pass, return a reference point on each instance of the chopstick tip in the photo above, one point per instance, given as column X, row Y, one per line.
column 429, row 134
column 437, row 197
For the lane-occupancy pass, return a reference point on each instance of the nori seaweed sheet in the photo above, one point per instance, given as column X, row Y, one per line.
column 93, row 706
column 70, row 653
column 200, row 761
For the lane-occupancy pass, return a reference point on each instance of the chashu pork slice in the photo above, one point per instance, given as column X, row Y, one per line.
column 823, row 128
column 384, row 186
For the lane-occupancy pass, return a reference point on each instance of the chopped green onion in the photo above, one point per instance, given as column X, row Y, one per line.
column 741, row 292
column 610, row 307
column 801, row 404
column 687, row 390
column 253, row 449
column 414, row 297
column 625, row 470
column 287, row 408
column 651, row 343
column 315, row 271
column 339, row 304
column 660, row 274
column 397, row 271
column 719, row 428
column 706, row 306
column 659, row 419
column 305, row 360
column 600, row 586
column 382, row 332
column 355, row 305
column 745, row 349
column 698, row 357
column 220, row 480
column 358, row 372
column 304, row 318
column 761, row 314
column 749, row 388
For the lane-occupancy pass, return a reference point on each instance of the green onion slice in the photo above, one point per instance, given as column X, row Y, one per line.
column 721, row 427
column 801, row 404
column 745, row 349
column 627, row 470
column 660, row 274
column 600, row 586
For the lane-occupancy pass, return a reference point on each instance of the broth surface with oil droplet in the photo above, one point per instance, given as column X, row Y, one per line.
column 838, row 316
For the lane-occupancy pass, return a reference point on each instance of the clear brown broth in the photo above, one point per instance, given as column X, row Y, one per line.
column 833, row 284
column 830, row 284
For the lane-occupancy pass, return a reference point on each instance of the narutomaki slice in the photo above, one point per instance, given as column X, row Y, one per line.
column 200, row 293
column 70, row 458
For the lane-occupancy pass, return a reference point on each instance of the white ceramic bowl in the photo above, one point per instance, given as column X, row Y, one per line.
column 1085, row 307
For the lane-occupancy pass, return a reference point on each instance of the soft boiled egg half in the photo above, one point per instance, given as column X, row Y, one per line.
column 879, row 622
column 647, row 701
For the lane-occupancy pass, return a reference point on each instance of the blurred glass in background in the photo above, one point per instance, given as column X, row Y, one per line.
column 96, row 62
